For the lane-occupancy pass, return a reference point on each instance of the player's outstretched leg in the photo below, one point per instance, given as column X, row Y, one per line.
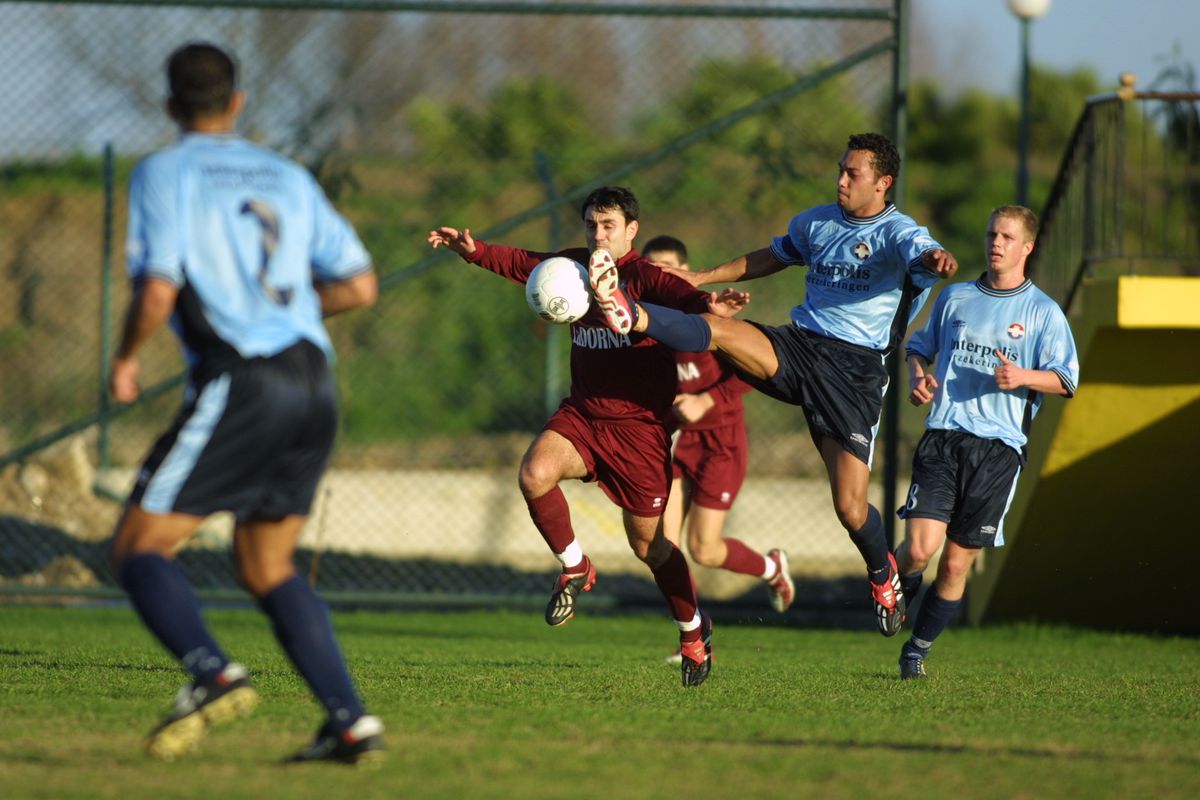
column 696, row 653
column 224, row 697
column 360, row 745
column 607, row 292
column 889, row 602
column 780, row 589
column 567, row 586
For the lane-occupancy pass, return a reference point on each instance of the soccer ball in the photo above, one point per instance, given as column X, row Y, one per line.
column 558, row 290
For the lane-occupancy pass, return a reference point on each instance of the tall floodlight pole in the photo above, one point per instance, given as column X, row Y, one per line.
column 1026, row 11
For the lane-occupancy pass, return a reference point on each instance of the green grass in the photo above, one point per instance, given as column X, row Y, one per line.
column 497, row 705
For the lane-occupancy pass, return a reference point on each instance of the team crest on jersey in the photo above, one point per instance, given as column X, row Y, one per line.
column 1016, row 330
column 862, row 251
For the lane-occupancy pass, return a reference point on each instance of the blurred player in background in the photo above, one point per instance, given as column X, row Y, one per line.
column 240, row 251
column 709, row 459
column 613, row 428
column 870, row 268
column 1000, row 344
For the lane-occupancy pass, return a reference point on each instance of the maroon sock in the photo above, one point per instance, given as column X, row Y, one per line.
column 552, row 517
column 743, row 560
column 674, row 580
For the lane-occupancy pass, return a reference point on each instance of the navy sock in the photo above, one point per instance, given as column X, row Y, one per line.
column 302, row 626
column 163, row 597
column 932, row 619
column 911, row 584
column 872, row 545
column 678, row 330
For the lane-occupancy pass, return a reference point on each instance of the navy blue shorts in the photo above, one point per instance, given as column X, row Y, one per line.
column 839, row 385
column 253, row 439
column 966, row 482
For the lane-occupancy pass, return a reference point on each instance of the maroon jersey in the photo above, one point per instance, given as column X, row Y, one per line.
column 613, row 376
column 704, row 372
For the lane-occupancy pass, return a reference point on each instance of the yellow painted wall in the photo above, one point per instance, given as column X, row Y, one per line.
column 1107, row 513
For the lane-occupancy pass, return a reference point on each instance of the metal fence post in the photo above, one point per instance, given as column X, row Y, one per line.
column 891, row 405
column 106, row 279
column 552, row 381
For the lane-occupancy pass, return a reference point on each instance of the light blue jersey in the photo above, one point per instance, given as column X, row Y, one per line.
column 243, row 233
column 968, row 323
column 865, row 281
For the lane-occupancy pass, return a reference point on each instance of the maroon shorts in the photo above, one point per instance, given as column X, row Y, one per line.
column 714, row 462
column 630, row 460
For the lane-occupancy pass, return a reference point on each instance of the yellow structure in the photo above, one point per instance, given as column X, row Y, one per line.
column 1104, row 529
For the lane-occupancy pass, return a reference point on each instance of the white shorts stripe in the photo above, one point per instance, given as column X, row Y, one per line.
column 1008, row 504
column 168, row 480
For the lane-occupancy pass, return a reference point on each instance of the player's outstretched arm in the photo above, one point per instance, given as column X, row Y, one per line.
column 940, row 262
column 361, row 290
column 757, row 264
column 458, row 241
column 922, row 380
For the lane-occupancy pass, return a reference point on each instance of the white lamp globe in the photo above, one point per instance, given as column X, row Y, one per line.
column 1028, row 9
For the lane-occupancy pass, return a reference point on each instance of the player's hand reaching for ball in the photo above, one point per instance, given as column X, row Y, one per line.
column 458, row 241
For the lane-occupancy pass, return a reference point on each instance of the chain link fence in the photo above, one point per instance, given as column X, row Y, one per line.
column 1127, row 193
column 499, row 117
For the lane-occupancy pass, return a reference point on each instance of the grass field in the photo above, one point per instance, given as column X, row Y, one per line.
column 493, row 704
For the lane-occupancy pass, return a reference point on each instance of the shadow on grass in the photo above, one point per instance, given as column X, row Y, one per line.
column 962, row 749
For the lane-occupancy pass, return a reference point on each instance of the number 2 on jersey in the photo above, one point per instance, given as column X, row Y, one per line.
column 268, row 220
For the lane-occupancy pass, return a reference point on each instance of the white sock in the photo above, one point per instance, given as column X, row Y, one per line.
column 769, row 570
column 571, row 557
column 690, row 625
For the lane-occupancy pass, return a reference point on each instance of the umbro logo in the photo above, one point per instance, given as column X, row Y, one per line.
column 958, row 323
column 988, row 529
column 858, row 437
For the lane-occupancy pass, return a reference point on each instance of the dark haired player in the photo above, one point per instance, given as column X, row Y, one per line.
column 870, row 268
column 1000, row 345
column 613, row 428
column 239, row 249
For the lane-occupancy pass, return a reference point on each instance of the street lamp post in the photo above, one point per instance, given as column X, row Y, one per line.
column 1026, row 11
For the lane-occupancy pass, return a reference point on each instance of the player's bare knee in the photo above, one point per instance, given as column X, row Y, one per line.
column 651, row 552
column 918, row 556
column 535, row 479
column 706, row 554
column 953, row 574
column 852, row 516
column 259, row 578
